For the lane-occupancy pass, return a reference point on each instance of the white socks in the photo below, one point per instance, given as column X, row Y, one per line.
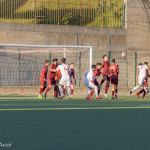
column 135, row 88
column 96, row 91
column 69, row 91
column 61, row 91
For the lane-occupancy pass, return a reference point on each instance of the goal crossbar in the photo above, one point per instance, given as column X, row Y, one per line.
column 52, row 46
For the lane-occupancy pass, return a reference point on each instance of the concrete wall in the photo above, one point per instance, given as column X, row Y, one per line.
column 99, row 38
column 138, row 25
column 138, row 33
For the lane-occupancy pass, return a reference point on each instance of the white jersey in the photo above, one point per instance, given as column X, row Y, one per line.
column 89, row 79
column 90, row 76
column 142, row 71
column 85, row 75
column 64, row 69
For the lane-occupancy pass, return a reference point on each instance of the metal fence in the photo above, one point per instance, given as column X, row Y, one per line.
column 104, row 13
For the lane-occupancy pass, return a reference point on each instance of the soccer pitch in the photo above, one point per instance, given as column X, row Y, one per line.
column 33, row 124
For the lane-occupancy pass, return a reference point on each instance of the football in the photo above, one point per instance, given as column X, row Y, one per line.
column 123, row 54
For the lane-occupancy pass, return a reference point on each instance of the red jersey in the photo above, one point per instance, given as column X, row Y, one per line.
column 98, row 72
column 114, row 70
column 51, row 73
column 43, row 74
column 147, row 75
column 105, row 66
column 72, row 73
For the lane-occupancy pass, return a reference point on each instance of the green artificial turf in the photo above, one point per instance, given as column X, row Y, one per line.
column 33, row 124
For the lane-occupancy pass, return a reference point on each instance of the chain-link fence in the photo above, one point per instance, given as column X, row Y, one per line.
column 127, row 67
column 21, row 67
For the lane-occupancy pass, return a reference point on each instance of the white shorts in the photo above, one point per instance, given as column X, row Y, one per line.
column 141, row 80
column 90, row 84
column 65, row 81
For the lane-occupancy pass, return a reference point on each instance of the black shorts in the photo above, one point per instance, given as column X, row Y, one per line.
column 114, row 80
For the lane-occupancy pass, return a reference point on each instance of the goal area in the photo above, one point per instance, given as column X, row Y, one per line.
column 21, row 66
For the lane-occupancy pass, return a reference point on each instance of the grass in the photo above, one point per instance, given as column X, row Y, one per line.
column 30, row 123
column 69, row 12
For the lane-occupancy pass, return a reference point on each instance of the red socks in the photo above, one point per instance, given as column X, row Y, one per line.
column 141, row 91
column 55, row 90
column 47, row 90
column 106, row 89
column 63, row 90
column 102, row 81
column 72, row 91
column 144, row 93
column 116, row 91
column 112, row 93
column 98, row 92
column 91, row 93
column 41, row 90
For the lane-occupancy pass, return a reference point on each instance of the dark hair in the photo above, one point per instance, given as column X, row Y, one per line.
column 146, row 63
column 104, row 56
column 140, row 64
column 55, row 59
column 113, row 60
column 63, row 60
column 46, row 61
column 71, row 63
column 93, row 66
column 98, row 64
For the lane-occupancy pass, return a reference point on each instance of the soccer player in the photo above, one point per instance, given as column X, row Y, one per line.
column 71, row 76
column 65, row 78
column 89, row 82
column 51, row 77
column 114, row 71
column 141, row 75
column 97, row 73
column 43, row 77
column 105, row 66
column 145, row 82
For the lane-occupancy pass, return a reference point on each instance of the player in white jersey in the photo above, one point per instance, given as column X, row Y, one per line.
column 65, row 77
column 145, row 82
column 89, row 82
column 141, row 74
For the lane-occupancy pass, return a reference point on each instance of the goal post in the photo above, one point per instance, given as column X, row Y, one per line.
column 21, row 65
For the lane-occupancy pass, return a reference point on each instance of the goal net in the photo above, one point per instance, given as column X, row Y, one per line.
column 21, row 66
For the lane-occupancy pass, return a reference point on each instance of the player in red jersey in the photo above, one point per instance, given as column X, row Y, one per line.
column 71, row 76
column 114, row 71
column 43, row 77
column 51, row 77
column 105, row 66
column 145, row 82
column 97, row 73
